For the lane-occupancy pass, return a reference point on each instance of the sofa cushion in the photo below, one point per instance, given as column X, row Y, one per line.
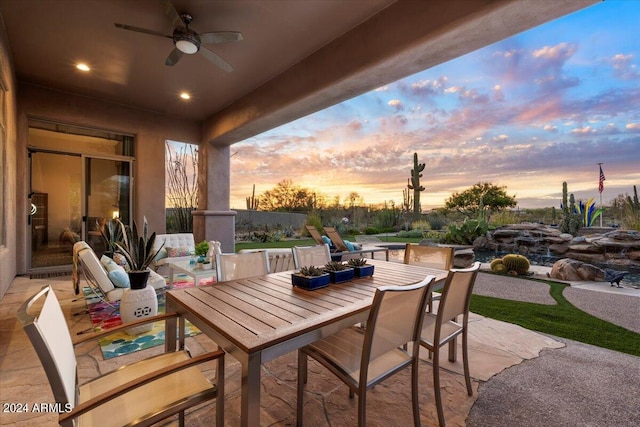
column 116, row 273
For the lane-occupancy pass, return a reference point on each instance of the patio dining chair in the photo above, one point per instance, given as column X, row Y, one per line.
column 139, row 394
column 232, row 266
column 429, row 256
column 317, row 255
column 442, row 327
column 363, row 358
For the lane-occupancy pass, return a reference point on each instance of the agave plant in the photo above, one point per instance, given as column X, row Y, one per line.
column 138, row 250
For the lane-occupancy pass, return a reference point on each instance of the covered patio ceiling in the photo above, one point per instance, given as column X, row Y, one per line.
column 297, row 56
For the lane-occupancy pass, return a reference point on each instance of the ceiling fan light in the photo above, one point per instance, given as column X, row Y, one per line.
column 186, row 46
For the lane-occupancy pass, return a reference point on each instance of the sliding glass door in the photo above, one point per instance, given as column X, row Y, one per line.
column 55, row 219
column 108, row 195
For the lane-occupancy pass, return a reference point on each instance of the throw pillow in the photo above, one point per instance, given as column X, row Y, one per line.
column 349, row 246
column 177, row 252
column 327, row 240
column 162, row 253
column 116, row 273
column 108, row 263
column 119, row 278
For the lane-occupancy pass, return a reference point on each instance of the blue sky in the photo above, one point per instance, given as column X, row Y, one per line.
column 529, row 112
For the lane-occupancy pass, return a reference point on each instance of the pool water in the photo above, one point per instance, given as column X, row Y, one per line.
column 632, row 279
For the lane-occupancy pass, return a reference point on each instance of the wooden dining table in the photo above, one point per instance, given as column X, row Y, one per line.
column 258, row 319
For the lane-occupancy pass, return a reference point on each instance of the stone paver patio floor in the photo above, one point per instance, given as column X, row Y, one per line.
column 493, row 346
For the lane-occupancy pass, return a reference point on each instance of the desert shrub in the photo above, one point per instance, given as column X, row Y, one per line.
column 312, row 219
column 411, row 234
column 465, row 233
column 434, row 236
column 501, row 218
column 420, row 225
column 436, row 221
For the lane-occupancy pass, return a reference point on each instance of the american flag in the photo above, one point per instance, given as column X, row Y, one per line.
column 601, row 183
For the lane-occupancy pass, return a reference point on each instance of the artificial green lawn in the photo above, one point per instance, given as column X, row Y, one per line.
column 562, row 320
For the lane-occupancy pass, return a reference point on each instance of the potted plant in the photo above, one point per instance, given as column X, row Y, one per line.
column 338, row 272
column 360, row 267
column 310, row 278
column 201, row 250
column 206, row 264
column 139, row 253
column 112, row 232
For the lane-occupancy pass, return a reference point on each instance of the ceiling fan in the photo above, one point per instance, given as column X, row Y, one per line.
column 186, row 40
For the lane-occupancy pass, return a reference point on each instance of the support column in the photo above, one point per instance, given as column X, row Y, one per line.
column 214, row 220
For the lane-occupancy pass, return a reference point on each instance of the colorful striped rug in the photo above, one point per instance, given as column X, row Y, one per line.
column 121, row 343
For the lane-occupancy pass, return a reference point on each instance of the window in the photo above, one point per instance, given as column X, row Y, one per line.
column 181, row 185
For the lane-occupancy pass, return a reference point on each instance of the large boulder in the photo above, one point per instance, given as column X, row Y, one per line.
column 576, row 271
column 463, row 258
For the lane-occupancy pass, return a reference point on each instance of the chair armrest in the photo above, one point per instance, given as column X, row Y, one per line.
column 138, row 382
column 110, row 331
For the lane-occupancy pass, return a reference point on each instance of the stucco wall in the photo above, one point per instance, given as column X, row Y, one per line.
column 7, row 253
column 150, row 131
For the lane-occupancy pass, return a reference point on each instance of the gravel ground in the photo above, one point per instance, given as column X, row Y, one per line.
column 512, row 288
column 578, row 385
column 622, row 310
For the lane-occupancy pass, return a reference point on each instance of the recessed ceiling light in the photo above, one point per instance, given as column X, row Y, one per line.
column 83, row 67
column 185, row 95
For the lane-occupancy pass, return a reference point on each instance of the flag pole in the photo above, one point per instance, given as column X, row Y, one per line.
column 600, row 187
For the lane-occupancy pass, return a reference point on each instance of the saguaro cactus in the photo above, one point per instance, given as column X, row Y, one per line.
column 252, row 202
column 415, row 184
column 407, row 199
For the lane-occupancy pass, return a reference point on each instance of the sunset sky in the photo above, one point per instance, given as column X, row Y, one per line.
column 528, row 113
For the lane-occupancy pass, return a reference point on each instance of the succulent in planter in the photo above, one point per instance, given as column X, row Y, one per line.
column 360, row 266
column 357, row 262
column 139, row 253
column 334, row 266
column 310, row 277
column 339, row 272
column 311, row 271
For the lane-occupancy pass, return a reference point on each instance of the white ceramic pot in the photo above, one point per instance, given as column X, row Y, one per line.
column 137, row 304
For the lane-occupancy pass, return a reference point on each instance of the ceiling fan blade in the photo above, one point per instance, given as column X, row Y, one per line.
column 221, row 37
column 141, row 30
column 172, row 13
column 216, row 59
column 173, row 57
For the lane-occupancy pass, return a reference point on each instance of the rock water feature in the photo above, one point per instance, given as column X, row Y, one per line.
column 612, row 248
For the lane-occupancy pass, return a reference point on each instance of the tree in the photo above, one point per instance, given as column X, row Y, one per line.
column 481, row 196
column 288, row 197
column 182, row 185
